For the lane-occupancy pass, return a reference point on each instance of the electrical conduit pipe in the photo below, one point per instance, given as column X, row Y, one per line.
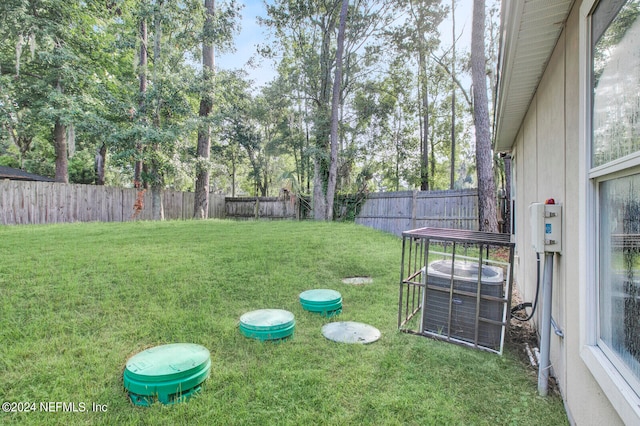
column 545, row 331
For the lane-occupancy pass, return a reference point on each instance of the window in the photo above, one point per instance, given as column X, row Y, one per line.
column 615, row 80
column 615, row 177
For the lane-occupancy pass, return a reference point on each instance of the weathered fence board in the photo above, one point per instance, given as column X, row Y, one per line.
column 216, row 205
column 396, row 212
column 245, row 208
column 51, row 202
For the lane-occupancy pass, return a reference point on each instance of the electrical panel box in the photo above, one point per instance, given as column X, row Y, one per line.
column 536, row 215
column 546, row 227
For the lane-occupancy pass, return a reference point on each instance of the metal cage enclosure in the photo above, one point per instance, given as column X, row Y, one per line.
column 455, row 285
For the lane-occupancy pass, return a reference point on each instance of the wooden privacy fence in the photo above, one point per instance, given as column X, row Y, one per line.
column 245, row 208
column 396, row 212
column 51, row 202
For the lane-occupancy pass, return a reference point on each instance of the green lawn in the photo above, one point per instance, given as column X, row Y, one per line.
column 78, row 300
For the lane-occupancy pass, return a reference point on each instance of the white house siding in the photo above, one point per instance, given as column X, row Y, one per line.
column 547, row 166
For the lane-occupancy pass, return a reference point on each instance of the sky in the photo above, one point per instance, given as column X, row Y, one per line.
column 252, row 34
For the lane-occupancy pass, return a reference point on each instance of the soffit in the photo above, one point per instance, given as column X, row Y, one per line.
column 529, row 32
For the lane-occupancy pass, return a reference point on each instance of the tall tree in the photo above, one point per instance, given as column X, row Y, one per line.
column 220, row 23
column 155, row 174
column 322, row 116
column 335, row 104
column 142, row 79
column 201, row 205
column 237, row 138
column 168, row 119
column 418, row 38
column 62, row 38
column 306, row 32
column 487, row 215
column 286, row 106
column 452, row 169
column 18, row 116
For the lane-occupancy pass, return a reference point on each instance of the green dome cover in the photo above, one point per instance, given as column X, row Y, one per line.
column 168, row 373
column 321, row 296
column 324, row 301
column 267, row 319
column 268, row 334
column 322, row 308
column 267, row 324
column 167, row 362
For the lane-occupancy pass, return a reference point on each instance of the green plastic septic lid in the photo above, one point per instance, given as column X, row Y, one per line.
column 316, row 307
column 267, row 319
column 321, row 296
column 168, row 362
column 268, row 334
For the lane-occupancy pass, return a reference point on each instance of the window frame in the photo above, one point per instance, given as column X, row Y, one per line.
column 597, row 357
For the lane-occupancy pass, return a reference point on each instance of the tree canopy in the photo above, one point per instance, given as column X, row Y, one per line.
column 127, row 92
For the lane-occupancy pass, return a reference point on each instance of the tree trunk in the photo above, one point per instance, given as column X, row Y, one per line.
column 304, row 150
column 452, row 169
column 319, row 202
column 23, row 146
column 265, row 174
column 157, row 209
column 142, row 77
column 60, row 145
column 201, row 204
column 487, row 215
column 432, row 158
column 335, row 104
column 396, row 137
column 101, row 157
column 507, row 195
column 424, row 141
column 321, row 163
column 233, row 176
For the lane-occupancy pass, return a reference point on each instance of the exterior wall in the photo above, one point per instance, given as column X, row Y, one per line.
column 546, row 165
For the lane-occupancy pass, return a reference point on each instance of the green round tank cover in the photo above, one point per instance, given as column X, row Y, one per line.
column 322, row 308
column 268, row 334
column 167, row 362
column 320, row 295
column 267, row 319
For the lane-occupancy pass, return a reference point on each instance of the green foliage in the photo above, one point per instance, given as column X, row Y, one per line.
column 81, row 168
column 78, row 64
column 9, row 161
column 74, row 321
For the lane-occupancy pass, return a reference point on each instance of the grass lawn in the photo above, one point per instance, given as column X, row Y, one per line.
column 78, row 300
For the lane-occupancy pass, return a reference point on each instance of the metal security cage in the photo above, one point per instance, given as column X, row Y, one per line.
column 455, row 285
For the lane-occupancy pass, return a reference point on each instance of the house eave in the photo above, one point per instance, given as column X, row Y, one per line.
column 530, row 30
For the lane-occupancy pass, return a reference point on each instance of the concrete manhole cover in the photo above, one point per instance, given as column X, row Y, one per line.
column 350, row 332
column 358, row 280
